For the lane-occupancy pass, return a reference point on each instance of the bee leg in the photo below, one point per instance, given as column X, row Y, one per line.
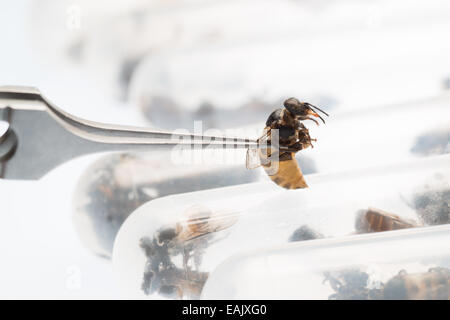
column 296, row 147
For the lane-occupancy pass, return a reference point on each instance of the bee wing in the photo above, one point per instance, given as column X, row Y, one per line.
column 195, row 229
column 252, row 157
column 284, row 171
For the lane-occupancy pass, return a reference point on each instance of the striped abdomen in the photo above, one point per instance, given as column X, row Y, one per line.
column 376, row 220
column 285, row 172
column 432, row 285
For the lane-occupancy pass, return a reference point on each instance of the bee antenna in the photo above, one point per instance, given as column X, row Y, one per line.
column 314, row 107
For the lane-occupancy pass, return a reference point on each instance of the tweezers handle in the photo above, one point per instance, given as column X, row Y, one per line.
column 47, row 136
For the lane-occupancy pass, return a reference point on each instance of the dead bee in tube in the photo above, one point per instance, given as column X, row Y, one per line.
column 376, row 220
column 193, row 235
column 283, row 136
column 188, row 239
column 351, row 284
column 431, row 285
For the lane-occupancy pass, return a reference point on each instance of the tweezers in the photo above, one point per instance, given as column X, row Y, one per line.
column 39, row 136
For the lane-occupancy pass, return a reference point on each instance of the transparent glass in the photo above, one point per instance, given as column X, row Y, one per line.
column 116, row 184
column 168, row 247
column 406, row 264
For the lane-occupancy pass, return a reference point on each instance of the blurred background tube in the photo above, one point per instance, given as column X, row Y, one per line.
column 399, row 265
column 190, row 234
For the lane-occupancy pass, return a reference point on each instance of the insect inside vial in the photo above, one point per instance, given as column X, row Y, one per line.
column 283, row 136
column 193, row 235
column 376, row 220
column 432, row 285
column 187, row 239
column 350, row 284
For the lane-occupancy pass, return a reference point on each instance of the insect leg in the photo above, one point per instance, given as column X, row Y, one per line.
column 292, row 148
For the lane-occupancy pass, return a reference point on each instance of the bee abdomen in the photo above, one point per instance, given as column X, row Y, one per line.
column 285, row 172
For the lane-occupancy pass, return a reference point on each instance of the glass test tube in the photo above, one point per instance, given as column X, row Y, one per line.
column 406, row 264
column 168, row 247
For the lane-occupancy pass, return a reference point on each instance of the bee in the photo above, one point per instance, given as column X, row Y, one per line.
column 433, row 207
column 188, row 238
column 353, row 284
column 283, row 136
column 376, row 220
column 201, row 222
column 191, row 237
column 349, row 284
column 432, row 285
column 181, row 288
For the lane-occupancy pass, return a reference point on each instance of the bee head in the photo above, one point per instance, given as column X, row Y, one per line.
column 166, row 235
column 301, row 110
